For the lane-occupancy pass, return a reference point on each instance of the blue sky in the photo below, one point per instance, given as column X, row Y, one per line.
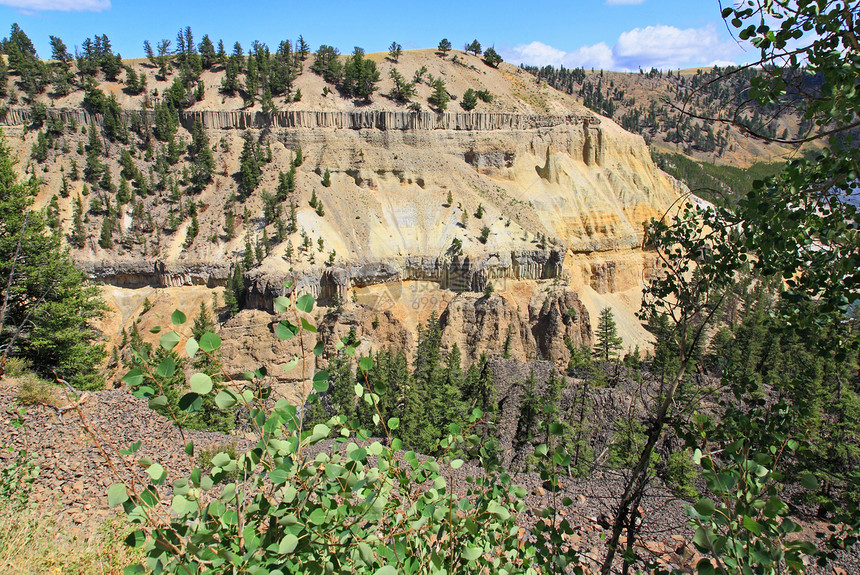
column 608, row 34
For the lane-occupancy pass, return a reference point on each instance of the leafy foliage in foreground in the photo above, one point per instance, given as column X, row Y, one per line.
column 356, row 504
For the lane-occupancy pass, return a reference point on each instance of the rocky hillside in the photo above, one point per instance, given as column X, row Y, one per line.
column 650, row 103
column 397, row 206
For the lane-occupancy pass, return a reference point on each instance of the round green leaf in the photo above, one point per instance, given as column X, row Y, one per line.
column 286, row 330
column 156, row 472
column 365, row 363
column 321, row 381
column 279, row 475
column 225, row 399
column 809, row 481
column 704, row 507
column 166, row 367
column 288, row 544
column 158, row 401
column 117, row 494
column 393, row 423
column 190, row 402
column 210, row 342
column 133, row 377
column 169, row 340
column 135, row 539
column 305, row 303
column 191, row 347
column 200, row 383
column 177, row 317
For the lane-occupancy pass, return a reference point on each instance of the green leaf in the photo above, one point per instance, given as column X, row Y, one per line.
column 225, row 399
column 135, row 539
column 166, row 367
column 209, row 342
column 117, row 494
column 157, row 401
column 279, row 475
column 169, row 340
column 752, row 525
column 704, row 507
column 321, row 381
column 365, row 363
column 222, row 460
column 704, row 567
column 286, row 330
column 134, row 570
column 189, row 449
column 774, row 507
column 288, row 544
column 700, row 539
column 393, row 423
column 387, row 570
column 471, row 553
column 305, row 303
column 191, row 347
column 308, row 326
column 317, row 516
column 177, row 317
column 809, row 481
column 292, row 363
column 155, row 329
column 133, row 378
column 321, row 430
column 132, row 449
column 281, row 304
column 156, row 472
column 190, row 402
column 359, row 454
column 200, row 383
column 318, row 349
column 457, row 464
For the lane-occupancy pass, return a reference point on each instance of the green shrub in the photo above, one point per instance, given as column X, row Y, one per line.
column 34, row 391
column 680, row 474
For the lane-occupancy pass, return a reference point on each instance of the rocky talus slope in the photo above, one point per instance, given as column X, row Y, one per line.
column 74, row 475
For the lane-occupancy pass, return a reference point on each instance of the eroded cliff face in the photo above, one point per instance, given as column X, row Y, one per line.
column 544, row 195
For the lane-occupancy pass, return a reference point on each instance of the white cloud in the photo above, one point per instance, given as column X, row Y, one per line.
column 63, row 5
column 538, row 53
column 623, row 2
column 664, row 47
column 594, row 56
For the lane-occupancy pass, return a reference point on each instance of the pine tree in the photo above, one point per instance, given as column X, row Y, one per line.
column 202, row 160
column 470, row 100
column 203, row 322
column 394, row 51
column 47, row 313
column 78, row 236
column 106, row 235
column 607, row 344
column 440, row 97
column 250, row 171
